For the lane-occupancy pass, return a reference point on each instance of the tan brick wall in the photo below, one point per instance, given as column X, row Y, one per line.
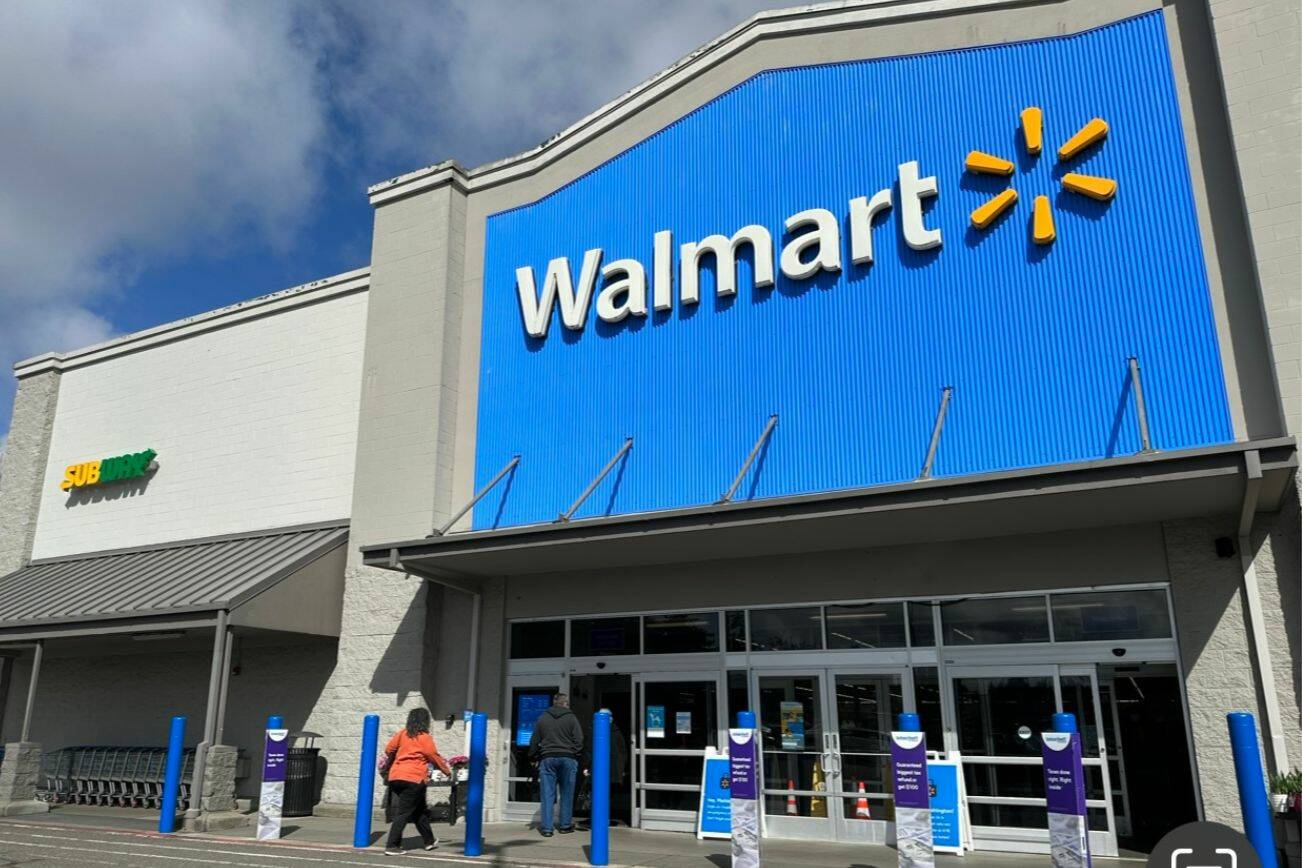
column 1260, row 48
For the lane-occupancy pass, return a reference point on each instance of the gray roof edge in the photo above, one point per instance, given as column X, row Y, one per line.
column 377, row 554
column 302, row 562
column 341, row 523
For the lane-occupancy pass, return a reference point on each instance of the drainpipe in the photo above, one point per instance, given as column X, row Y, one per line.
column 1274, row 741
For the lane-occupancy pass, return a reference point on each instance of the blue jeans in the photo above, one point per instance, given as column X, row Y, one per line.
column 556, row 771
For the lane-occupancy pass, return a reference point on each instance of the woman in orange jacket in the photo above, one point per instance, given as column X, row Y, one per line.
column 409, row 754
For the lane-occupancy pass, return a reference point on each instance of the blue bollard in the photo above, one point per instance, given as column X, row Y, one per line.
column 909, row 722
column 172, row 778
column 599, row 852
column 275, row 721
column 366, row 782
column 475, row 790
column 745, row 720
column 1252, row 787
column 1064, row 721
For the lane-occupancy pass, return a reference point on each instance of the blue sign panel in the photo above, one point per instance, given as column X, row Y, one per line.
column 946, row 821
column 528, row 708
column 850, row 342
column 714, row 819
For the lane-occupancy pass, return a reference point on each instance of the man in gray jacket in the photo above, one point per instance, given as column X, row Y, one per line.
column 556, row 745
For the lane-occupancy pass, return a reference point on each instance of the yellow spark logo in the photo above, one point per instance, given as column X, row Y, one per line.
column 1042, row 229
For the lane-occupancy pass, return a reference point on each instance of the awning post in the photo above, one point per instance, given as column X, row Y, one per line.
column 225, row 686
column 31, row 690
column 210, row 716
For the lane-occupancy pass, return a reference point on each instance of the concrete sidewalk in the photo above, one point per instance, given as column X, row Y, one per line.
column 514, row 843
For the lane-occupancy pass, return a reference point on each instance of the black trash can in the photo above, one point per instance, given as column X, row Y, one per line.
column 300, row 781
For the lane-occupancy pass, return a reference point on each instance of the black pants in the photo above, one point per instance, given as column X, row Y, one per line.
column 409, row 807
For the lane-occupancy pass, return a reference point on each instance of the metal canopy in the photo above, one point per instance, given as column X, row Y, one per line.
column 1154, row 486
column 193, row 576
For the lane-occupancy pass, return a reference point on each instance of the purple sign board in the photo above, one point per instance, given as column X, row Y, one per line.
column 743, row 785
column 273, row 757
column 742, row 765
column 913, row 838
column 271, row 798
column 909, row 758
column 1064, row 791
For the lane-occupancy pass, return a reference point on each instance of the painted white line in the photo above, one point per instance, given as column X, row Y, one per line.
column 188, row 849
column 127, row 853
column 434, row 857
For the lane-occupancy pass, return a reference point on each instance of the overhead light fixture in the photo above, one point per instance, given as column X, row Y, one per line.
column 159, row 634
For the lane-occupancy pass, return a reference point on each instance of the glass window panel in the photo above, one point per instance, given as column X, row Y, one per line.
column 685, row 633
column 777, row 804
column 600, row 637
column 1023, row 782
column 674, row 770
column 926, row 690
column 738, row 694
column 868, row 809
column 922, row 629
column 1112, row 615
column 670, row 800
column 866, row 625
column 736, row 627
column 995, row 621
column 866, row 710
column 533, row 639
column 1078, row 699
column 790, row 719
column 1003, row 716
column 690, row 715
column 1018, row 816
column 786, row 629
column 535, row 699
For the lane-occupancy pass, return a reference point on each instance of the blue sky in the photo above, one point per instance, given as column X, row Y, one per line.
column 162, row 159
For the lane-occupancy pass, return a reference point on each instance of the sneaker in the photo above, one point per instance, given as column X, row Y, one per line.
column 546, row 833
column 433, row 845
column 565, row 830
column 393, row 851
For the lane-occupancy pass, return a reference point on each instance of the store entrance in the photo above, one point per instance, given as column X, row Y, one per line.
column 999, row 712
column 825, row 738
column 588, row 695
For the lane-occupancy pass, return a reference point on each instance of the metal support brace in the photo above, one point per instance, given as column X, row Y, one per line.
column 930, row 461
column 510, row 465
column 592, row 486
column 754, row 451
column 1141, row 409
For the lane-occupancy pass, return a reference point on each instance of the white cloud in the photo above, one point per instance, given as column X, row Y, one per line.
column 141, row 132
column 136, row 132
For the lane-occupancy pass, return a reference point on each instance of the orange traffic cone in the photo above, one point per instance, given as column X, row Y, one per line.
column 861, row 806
column 791, row 798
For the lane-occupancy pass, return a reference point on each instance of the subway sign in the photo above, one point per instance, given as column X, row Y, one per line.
column 115, row 469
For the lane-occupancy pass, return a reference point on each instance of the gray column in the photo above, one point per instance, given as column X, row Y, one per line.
column 31, row 690
column 210, row 718
column 22, row 470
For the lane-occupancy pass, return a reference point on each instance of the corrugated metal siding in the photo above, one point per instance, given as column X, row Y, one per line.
column 185, row 576
column 1033, row 340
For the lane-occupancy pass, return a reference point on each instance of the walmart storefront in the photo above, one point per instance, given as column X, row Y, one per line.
column 875, row 358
